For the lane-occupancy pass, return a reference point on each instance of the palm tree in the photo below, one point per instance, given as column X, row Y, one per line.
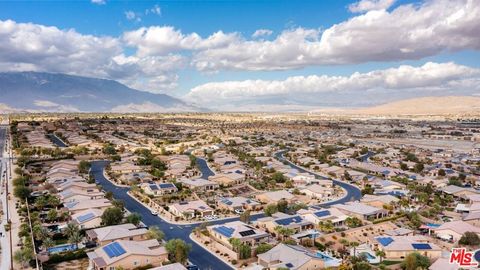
column 236, row 243
column 53, row 201
column 284, row 232
column 344, row 242
column 354, row 245
column 381, row 254
column 71, row 229
column 48, row 243
column 41, row 202
column 75, row 238
column 326, row 226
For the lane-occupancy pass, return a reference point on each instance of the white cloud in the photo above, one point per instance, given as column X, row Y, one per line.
column 132, row 16
column 367, row 5
column 438, row 78
column 154, row 10
column 54, row 107
column 33, row 47
column 99, row 2
column 407, row 32
column 158, row 40
column 45, row 103
column 150, row 107
column 262, row 33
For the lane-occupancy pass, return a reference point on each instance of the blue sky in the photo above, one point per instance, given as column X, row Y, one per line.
column 203, row 63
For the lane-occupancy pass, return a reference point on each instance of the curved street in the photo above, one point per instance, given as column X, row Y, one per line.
column 353, row 192
column 198, row 256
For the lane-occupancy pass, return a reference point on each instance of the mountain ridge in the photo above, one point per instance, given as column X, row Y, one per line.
column 58, row 92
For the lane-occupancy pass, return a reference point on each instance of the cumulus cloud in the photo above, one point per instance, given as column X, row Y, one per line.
column 33, row 47
column 158, row 40
column 407, row 32
column 45, row 103
column 440, row 78
column 132, row 16
column 150, row 107
column 367, row 5
column 262, row 33
column 154, row 10
column 99, row 2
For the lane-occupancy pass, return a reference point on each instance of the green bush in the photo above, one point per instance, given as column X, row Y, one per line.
column 67, row 256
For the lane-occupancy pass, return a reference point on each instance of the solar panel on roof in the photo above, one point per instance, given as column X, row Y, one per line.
column 85, row 217
column 167, row 185
column 323, row 213
column 154, row 187
column 114, row 250
column 247, row 233
column 385, row 241
column 287, row 221
column 421, row 246
column 226, row 231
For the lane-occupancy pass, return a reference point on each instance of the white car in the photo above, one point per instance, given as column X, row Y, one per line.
column 155, row 213
column 239, row 211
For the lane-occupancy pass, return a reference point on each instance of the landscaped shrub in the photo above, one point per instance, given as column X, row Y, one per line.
column 67, row 256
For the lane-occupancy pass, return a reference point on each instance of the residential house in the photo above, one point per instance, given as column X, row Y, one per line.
column 159, row 189
column 192, row 209
column 127, row 255
column 275, row 196
column 105, row 235
column 398, row 247
column 238, row 203
column 360, row 210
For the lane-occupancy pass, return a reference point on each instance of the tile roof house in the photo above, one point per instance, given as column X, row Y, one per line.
column 191, row 209
column 317, row 214
column 89, row 218
column 455, row 229
column 360, row 210
column 290, row 257
column 78, row 206
column 105, row 235
column 295, row 222
column 73, row 194
column 236, row 229
column 378, row 200
column 317, row 191
column 127, row 255
column 199, row 184
column 234, row 203
column 398, row 247
column 173, row 266
column 275, row 196
column 228, row 179
column 158, row 189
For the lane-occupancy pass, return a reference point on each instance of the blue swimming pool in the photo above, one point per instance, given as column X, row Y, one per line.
column 61, row 248
column 368, row 256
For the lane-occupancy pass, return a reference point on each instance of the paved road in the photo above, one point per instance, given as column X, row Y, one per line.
column 55, row 140
column 353, row 192
column 4, row 240
column 198, row 256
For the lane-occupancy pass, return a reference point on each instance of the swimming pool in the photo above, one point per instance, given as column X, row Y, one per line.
column 329, row 260
column 61, row 248
column 368, row 255
column 323, row 256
